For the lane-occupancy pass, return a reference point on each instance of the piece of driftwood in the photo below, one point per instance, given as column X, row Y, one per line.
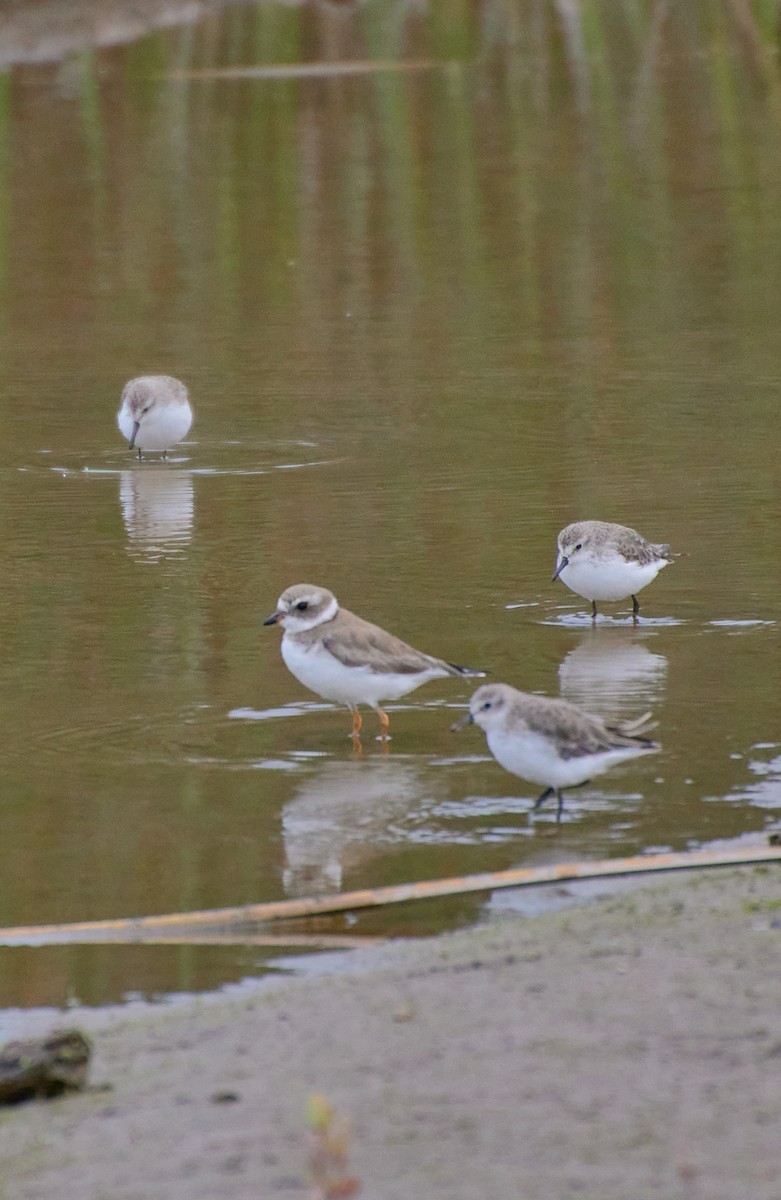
column 38, row 1068
column 317, row 70
column 246, row 918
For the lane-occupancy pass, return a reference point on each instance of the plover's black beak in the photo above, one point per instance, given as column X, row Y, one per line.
column 272, row 620
column 560, row 565
column 132, row 441
column 462, row 722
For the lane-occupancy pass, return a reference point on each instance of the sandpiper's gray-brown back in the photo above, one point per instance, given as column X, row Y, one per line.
column 601, row 560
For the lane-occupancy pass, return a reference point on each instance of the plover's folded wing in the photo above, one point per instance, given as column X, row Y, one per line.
column 357, row 643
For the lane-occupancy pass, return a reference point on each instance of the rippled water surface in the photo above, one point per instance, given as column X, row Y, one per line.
column 428, row 316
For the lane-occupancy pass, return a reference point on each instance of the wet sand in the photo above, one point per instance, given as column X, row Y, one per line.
column 629, row 1048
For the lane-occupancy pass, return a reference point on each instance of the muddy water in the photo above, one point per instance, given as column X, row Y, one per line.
column 428, row 317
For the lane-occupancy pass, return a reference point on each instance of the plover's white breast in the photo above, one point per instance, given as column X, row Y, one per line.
column 320, row 671
column 610, row 577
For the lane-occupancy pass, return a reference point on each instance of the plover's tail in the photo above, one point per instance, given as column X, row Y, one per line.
column 467, row 672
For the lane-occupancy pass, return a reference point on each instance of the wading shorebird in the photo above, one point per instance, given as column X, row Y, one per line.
column 341, row 657
column 602, row 561
column 551, row 743
column 154, row 413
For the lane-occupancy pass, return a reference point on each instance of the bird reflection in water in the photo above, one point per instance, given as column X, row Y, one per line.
column 342, row 816
column 611, row 672
column 157, row 509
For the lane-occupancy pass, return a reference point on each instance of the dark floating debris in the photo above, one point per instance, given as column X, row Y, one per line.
column 39, row 1068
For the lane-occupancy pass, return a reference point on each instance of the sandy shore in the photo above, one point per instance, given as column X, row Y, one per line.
column 631, row 1048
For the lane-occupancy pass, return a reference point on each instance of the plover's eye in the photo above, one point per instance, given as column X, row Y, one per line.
column 487, row 704
column 302, row 605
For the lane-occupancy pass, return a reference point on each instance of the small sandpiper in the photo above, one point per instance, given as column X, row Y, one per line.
column 551, row 742
column 154, row 413
column 602, row 561
column 341, row 657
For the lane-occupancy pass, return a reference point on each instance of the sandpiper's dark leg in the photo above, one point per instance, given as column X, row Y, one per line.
column 165, row 455
column 560, row 809
column 541, row 799
column 139, row 454
column 635, row 606
column 593, row 610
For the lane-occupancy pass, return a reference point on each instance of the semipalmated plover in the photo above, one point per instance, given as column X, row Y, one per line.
column 154, row 412
column 551, row 742
column 341, row 657
column 602, row 561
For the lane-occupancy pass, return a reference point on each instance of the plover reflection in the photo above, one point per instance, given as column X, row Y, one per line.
column 342, row 816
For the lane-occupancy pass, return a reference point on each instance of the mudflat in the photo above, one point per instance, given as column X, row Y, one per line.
column 628, row 1048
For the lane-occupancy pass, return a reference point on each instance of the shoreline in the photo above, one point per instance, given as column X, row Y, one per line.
column 627, row 1047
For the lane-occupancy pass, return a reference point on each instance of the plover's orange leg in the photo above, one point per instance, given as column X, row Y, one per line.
column 384, row 723
column 357, row 722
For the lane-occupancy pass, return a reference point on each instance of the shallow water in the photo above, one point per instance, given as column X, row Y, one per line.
column 427, row 318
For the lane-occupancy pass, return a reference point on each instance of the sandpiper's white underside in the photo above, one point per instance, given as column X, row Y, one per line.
column 612, row 578
column 315, row 667
column 536, row 758
column 161, row 428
